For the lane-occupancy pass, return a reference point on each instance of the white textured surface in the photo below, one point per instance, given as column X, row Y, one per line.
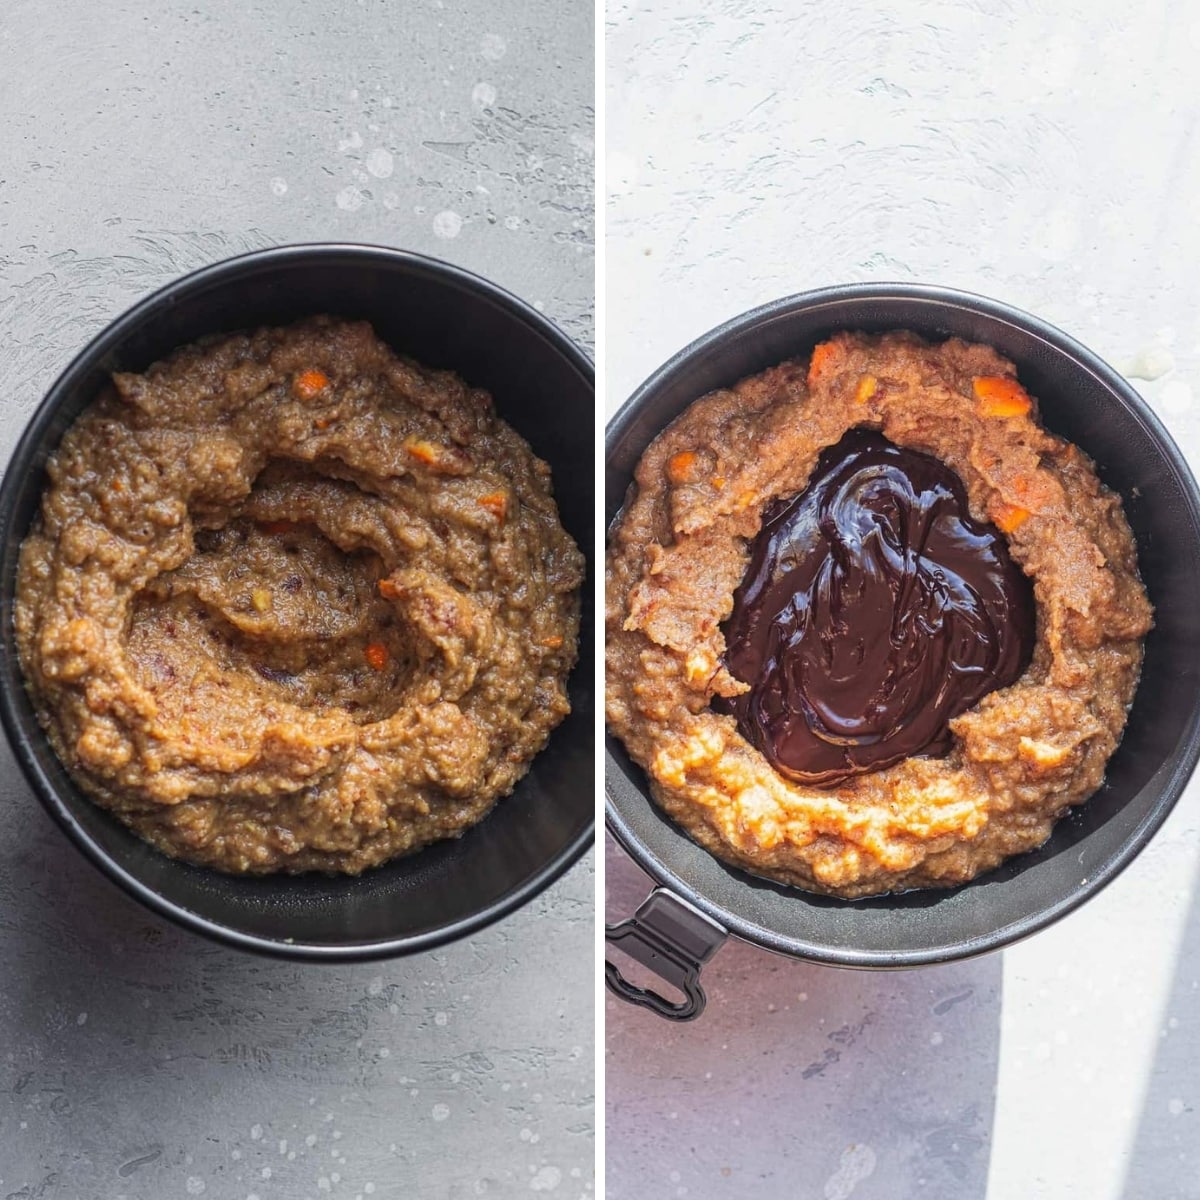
column 1046, row 155
column 137, row 141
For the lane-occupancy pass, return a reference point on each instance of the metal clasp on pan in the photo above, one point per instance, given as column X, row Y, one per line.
column 674, row 940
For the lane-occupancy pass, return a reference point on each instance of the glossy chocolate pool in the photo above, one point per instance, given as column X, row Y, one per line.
column 874, row 610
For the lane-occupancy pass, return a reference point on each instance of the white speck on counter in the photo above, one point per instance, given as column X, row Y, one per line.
column 349, row 199
column 279, row 186
column 1150, row 362
column 546, row 1180
column 483, row 95
column 195, row 1185
column 447, row 224
column 256, row 1132
column 81, row 1019
column 440, row 1018
column 857, row 1163
column 380, row 163
column 440, row 1112
column 353, row 142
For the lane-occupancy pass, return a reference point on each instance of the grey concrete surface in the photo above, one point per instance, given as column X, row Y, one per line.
column 1045, row 154
column 138, row 140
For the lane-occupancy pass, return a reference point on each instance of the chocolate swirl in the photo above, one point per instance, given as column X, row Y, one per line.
column 874, row 611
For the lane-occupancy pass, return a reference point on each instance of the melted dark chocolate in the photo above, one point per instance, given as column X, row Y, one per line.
column 873, row 611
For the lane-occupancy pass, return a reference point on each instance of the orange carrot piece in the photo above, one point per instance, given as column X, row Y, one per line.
column 822, row 359
column 308, row 385
column 679, row 466
column 388, row 590
column 1009, row 517
column 1001, row 396
column 422, row 451
column 496, row 503
column 447, row 460
column 376, row 654
column 867, row 387
column 552, row 643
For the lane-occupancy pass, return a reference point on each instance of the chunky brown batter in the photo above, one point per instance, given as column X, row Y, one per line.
column 293, row 603
column 1017, row 758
